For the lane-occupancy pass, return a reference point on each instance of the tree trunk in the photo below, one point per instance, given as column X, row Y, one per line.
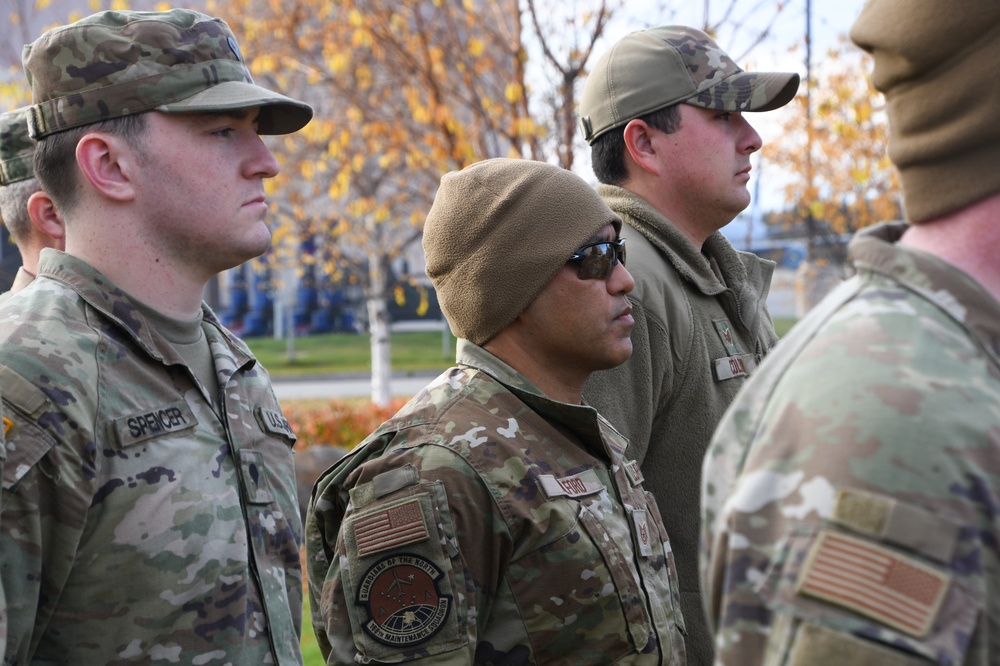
column 378, row 327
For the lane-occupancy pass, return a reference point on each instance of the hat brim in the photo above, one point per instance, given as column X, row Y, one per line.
column 278, row 114
column 755, row 91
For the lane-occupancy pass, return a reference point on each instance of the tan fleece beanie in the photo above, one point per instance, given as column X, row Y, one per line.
column 938, row 64
column 498, row 232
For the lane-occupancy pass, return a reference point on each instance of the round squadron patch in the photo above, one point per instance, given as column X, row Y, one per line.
column 404, row 604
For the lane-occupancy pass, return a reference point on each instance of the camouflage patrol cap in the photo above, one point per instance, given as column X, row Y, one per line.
column 120, row 63
column 17, row 148
column 651, row 69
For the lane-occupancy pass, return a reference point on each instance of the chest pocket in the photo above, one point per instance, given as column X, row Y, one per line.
column 585, row 573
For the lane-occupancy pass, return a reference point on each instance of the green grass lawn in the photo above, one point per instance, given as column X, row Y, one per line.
column 351, row 352
column 310, row 649
column 783, row 324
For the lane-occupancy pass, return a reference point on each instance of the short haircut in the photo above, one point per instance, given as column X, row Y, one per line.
column 55, row 156
column 14, row 207
column 607, row 153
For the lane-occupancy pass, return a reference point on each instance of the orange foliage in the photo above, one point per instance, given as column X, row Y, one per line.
column 340, row 423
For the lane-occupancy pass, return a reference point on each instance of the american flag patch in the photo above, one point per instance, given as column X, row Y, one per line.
column 874, row 581
column 390, row 527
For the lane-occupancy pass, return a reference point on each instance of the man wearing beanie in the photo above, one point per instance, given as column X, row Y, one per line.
column 497, row 518
column 25, row 209
column 149, row 510
column 851, row 493
column 663, row 113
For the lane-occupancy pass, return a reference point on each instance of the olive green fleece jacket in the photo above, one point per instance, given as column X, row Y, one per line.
column 694, row 336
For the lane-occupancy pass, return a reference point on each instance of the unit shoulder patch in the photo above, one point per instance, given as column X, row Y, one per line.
column 402, row 598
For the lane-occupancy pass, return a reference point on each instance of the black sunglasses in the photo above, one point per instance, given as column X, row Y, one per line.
column 598, row 260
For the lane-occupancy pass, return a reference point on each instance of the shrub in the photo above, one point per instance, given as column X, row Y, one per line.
column 340, row 423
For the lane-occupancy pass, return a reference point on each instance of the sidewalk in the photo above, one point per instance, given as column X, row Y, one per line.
column 403, row 385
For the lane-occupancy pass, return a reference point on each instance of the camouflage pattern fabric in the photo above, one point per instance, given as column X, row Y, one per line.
column 486, row 523
column 651, row 69
column 139, row 523
column 119, row 63
column 5, row 424
column 17, row 148
column 851, row 492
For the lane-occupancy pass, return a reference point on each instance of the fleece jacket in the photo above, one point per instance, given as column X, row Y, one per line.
column 701, row 326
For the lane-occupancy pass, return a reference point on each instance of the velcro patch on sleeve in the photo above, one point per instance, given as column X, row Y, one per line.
column 391, row 526
column 872, row 580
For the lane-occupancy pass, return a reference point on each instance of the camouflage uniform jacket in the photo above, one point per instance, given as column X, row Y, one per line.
column 695, row 339
column 487, row 524
column 138, row 525
column 851, row 492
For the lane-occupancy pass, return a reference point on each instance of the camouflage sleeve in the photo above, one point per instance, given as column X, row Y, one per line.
column 848, row 502
column 5, row 425
column 46, row 493
column 415, row 565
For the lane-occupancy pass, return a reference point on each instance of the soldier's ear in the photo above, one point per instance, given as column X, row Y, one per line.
column 639, row 145
column 106, row 162
column 43, row 213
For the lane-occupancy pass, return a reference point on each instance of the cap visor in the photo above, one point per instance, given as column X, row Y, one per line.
column 754, row 91
column 279, row 114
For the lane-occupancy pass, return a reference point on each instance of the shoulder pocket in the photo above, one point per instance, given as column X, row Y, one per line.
column 860, row 586
column 26, row 442
column 404, row 589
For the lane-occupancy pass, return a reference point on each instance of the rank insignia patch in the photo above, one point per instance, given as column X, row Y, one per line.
column 725, row 331
column 404, row 604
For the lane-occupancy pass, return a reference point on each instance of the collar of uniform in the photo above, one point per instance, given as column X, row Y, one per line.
column 877, row 249
column 582, row 420
column 102, row 294
column 678, row 249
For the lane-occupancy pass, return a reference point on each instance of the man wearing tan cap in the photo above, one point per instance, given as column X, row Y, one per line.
column 149, row 509
column 496, row 519
column 663, row 113
column 25, row 209
column 851, row 493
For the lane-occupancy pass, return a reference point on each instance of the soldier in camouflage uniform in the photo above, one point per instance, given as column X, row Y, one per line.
column 496, row 519
column 25, row 209
column 663, row 112
column 851, row 492
column 149, row 511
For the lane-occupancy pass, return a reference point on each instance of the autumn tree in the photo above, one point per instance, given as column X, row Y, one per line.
column 840, row 174
column 404, row 91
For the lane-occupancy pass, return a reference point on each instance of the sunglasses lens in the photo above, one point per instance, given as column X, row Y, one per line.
column 599, row 260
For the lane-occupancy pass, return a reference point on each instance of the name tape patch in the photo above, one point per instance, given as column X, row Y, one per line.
column 155, row 422
column 871, row 580
column 578, row 485
column 728, row 367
